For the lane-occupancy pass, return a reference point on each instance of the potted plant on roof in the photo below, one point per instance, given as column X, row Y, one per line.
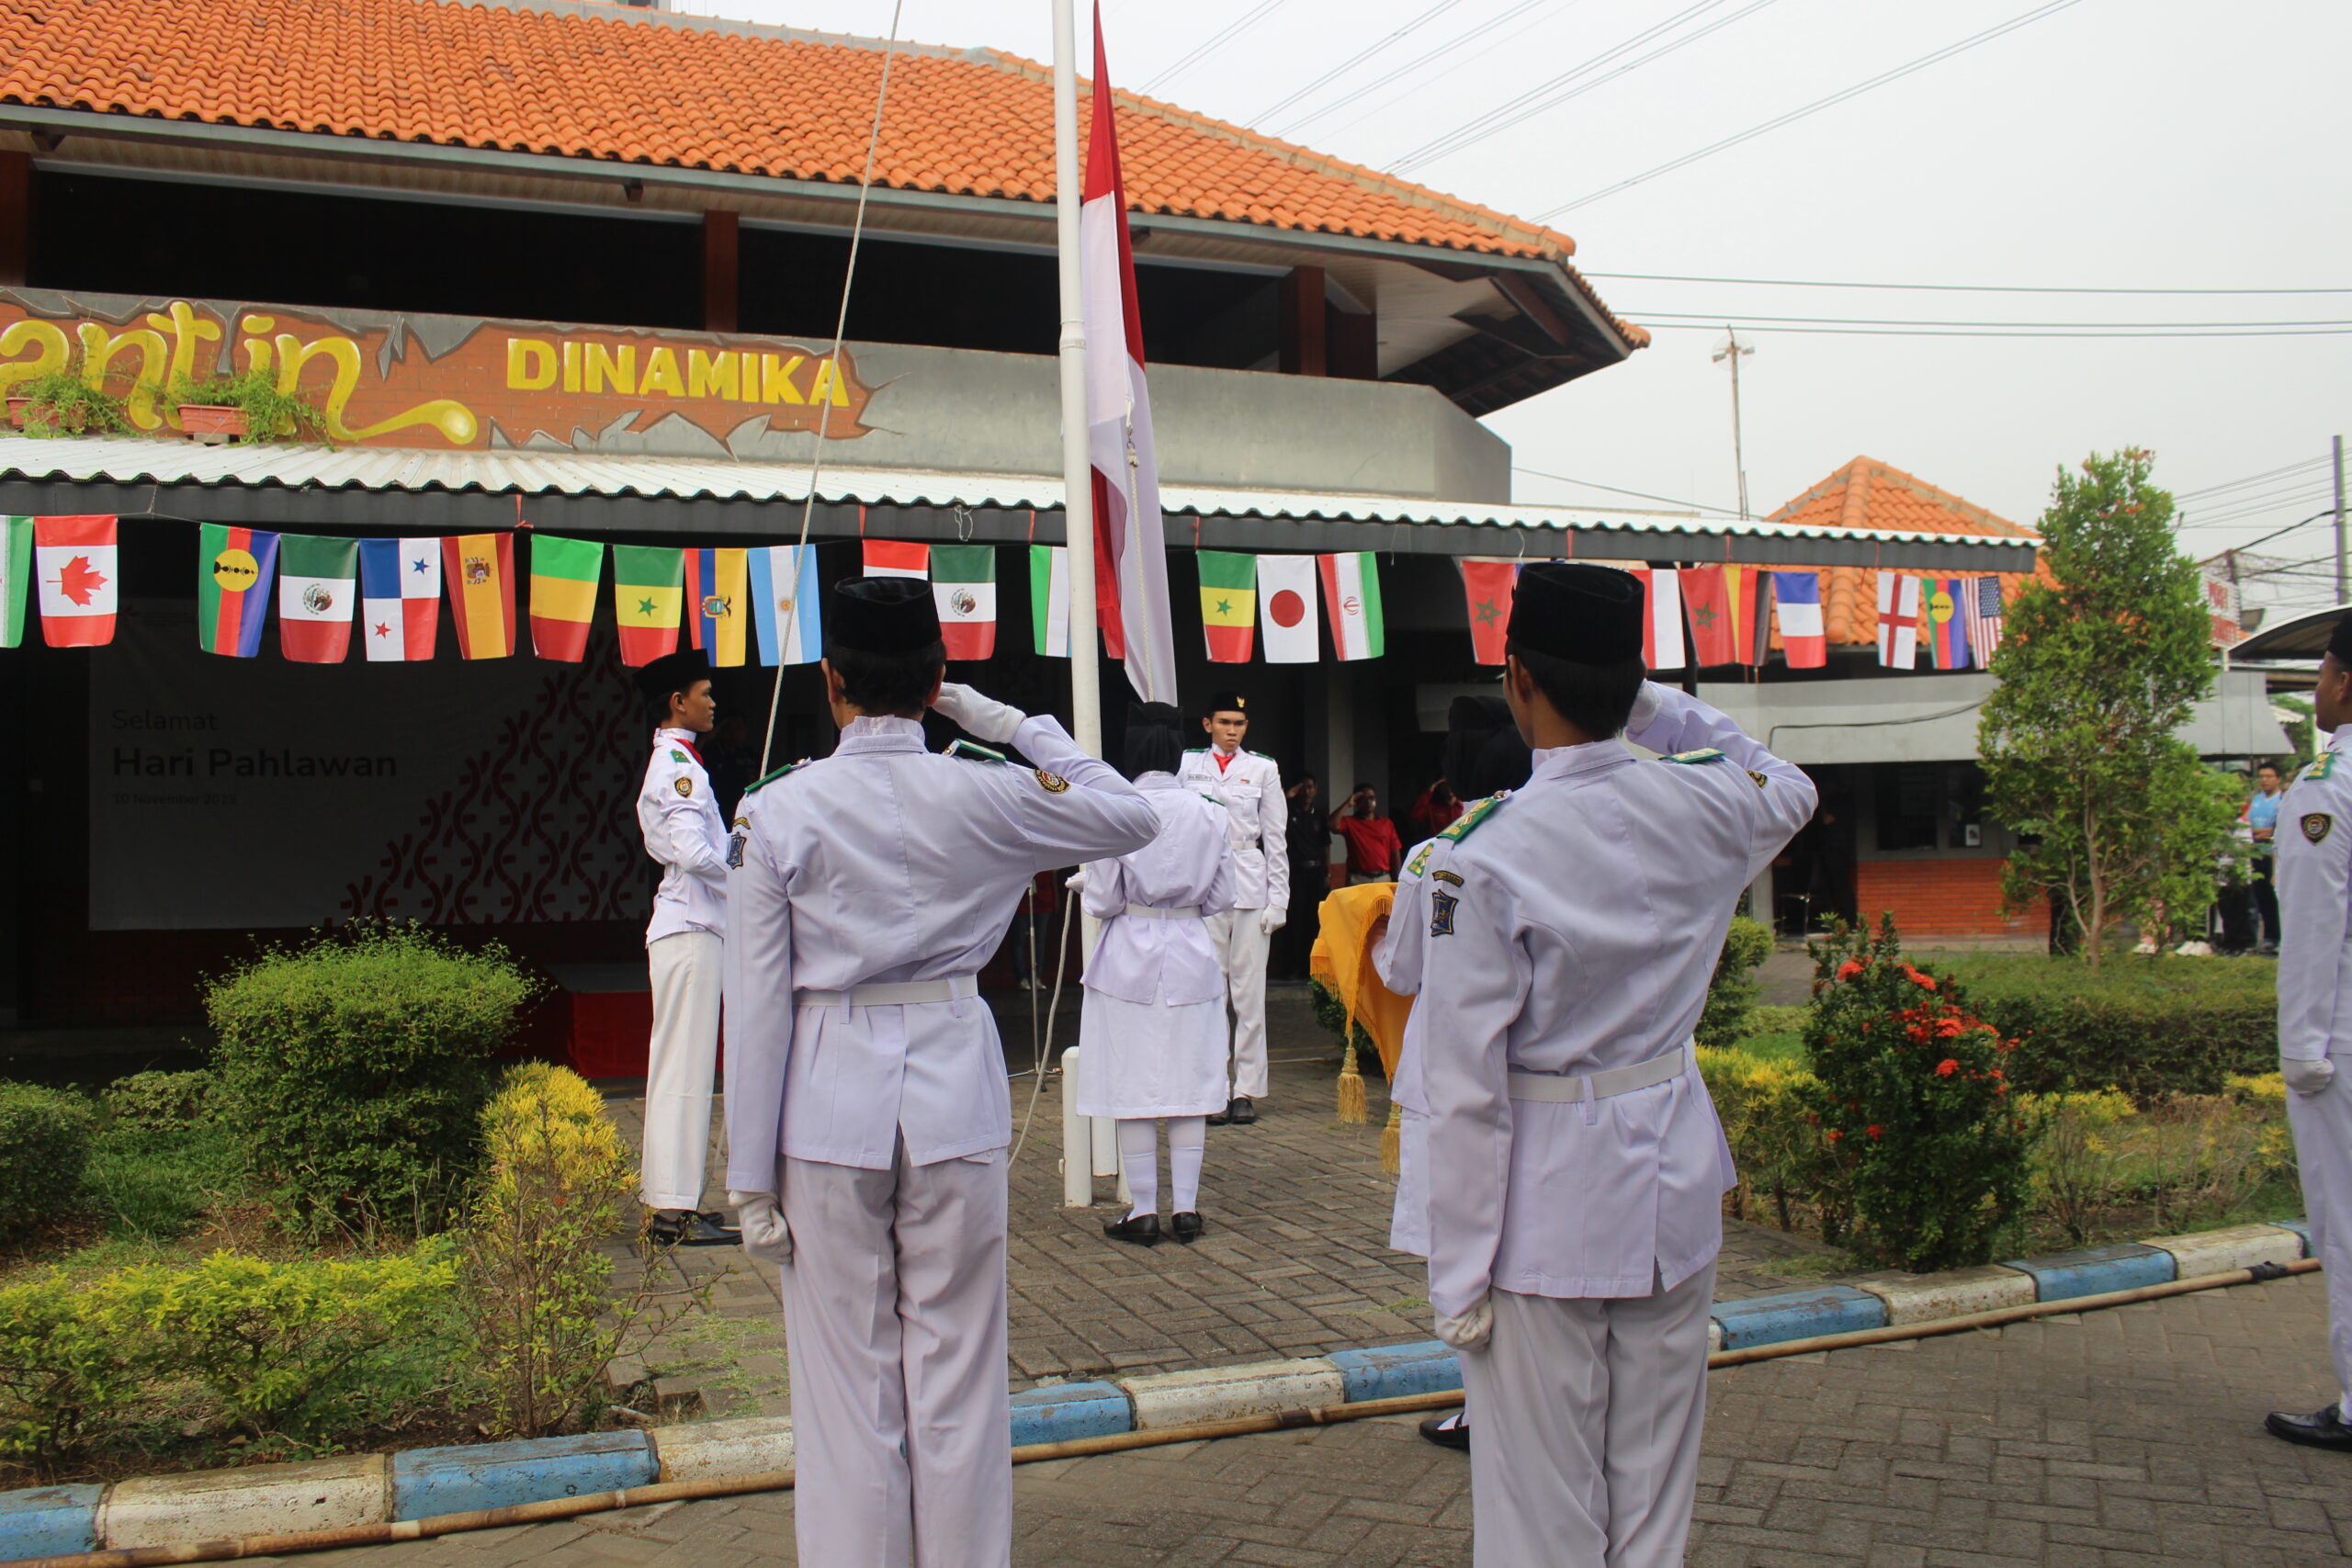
column 66, row 402
column 246, row 406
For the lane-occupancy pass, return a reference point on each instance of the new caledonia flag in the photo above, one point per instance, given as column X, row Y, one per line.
column 233, row 568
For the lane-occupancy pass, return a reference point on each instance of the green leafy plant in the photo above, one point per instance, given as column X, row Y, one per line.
column 71, row 403
column 2149, row 1027
column 63, row 1375
column 271, row 414
column 1332, row 1014
column 159, row 1100
column 1765, row 1107
column 1730, row 1012
column 156, row 1184
column 44, row 1143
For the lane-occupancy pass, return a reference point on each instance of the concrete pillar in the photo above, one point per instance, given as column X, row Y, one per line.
column 1306, row 330
column 16, row 217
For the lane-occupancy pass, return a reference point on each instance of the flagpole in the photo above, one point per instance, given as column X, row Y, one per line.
column 1078, row 463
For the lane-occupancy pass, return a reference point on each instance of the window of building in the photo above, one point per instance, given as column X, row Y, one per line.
column 1909, row 795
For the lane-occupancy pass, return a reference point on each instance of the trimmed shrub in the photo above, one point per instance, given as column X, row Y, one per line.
column 63, row 1375
column 159, row 1099
column 354, row 1069
column 2149, row 1027
column 1767, row 1119
column 44, row 1143
column 1730, row 1012
column 157, row 1183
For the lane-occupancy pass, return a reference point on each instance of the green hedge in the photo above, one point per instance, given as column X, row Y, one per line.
column 2147, row 1026
column 44, row 1142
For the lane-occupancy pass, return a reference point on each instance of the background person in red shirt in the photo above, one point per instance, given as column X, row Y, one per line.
column 1373, row 847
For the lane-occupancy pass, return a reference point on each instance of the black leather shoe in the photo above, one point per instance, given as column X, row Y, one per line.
column 1187, row 1226
column 1455, row 1437
column 684, row 1229
column 1142, row 1230
column 1241, row 1112
column 2323, row 1429
column 1220, row 1118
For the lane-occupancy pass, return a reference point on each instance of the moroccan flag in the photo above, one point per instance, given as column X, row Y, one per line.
column 1749, row 588
column 1712, row 639
column 233, row 567
column 317, row 588
column 564, row 574
column 1948, row 616
column 784, row 603
column 1049, row 599
column 647, row 593
column 893, row 557
column 1796, row 595
column 719, row 589
column 963, row 581
column 1228, row 603
column 1898, row 621
column 1661, row 617
column 74, row 558
column 399, row 598
column 1352, row 594
column 480, row 572
column 1286, row 609
column 1488, row 586
column 16, row 570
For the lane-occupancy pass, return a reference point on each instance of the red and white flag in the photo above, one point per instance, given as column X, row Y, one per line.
column 1131, row 553
column 1661, row 617
column 1796, row 597
column 1898, row 621
column 892, row 557
column 73, row 563
column 400, row 597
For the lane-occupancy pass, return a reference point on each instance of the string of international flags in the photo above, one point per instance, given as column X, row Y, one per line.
column 735, row 603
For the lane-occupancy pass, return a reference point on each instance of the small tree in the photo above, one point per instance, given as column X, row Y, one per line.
column 2097, row 672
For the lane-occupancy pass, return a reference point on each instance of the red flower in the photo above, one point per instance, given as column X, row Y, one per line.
column 1873, row 1131
column 1848, row 969
column 1949, row 1028
column 1835, row 1135
column 1946, row 1067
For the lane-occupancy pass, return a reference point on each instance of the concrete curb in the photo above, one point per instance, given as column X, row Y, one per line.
column 422, row 1483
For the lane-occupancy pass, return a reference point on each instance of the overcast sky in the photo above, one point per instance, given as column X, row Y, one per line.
column 2108, row 144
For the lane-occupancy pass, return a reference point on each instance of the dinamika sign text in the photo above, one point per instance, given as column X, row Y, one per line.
column 381, row 379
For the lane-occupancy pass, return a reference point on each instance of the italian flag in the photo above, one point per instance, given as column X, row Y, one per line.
column 74, row 559
column 1228, row 603
column 16, row 570
column 317, row 588
column 963, row 583
column 564, row 574
column 648, row 587
column 233, row 567
column 479, row 570
column 892, row 557
column 1352, row 597
column 1049, row 599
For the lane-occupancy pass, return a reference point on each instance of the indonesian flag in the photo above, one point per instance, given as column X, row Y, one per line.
column 1131, row 554
column 890, row 557
column 1352, row 594
column 1898, row 621
column 1228, row 603
column 317, row 588
column 1286, row 608
column 16, row 570
column 1661, row 617
column 963, row 584
column 73, row 561
column 1488, row 585
column 1796, row 597
column 400, row 597
column 1713, row 640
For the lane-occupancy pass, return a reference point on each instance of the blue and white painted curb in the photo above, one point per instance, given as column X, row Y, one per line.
column 423, row 1483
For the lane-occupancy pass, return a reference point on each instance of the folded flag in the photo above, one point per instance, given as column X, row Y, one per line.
column 16, row 570
column 646, row 597
column 1948, row 617
column 1228, row 603
column 564, row 574
column 1796, row 597
column 1049, row 599
column 1352, row 594
column 963, row 583
column 1488, row 585
column 893, row 557
column 1286, row 608
column 400, row 597
column 718, row 584
column 1661, row 617
column 233, row 568
column 480, row 570
column 1983, row 619
column 784, row 603
column 1898, row 621
column 1749, row 590
column 1707, row 593
column 74, row 558
column 317, row 588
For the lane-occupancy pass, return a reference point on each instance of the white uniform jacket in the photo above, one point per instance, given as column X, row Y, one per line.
column 1590, row 909
column 679, row 817
column 1399, row 959
column 2314, row 840
column 1189, row 865
column 1250, row 787
column 885, row 862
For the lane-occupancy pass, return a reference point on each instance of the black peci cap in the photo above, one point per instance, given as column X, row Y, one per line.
column 672, row 672
column 881, row 614
column 2340, row 642
column 1587, row 614
column 1226, row 700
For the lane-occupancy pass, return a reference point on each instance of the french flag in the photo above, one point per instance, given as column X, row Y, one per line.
column 400, row 597
column 1796, row 599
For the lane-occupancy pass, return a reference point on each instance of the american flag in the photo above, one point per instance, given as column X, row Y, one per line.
column 1984, row 619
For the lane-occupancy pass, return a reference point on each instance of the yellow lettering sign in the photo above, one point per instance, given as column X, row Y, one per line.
column 661, row 375
column 530, row 364
column 775, row 378
column 610, row 365
column 712, row 375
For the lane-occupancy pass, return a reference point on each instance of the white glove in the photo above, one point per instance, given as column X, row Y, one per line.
column 2308, row 1077
column 1271, row 919
column 1076, row 880
column 766, row 1236
column 1468, row 1331
column 975, row 715
column 1646, row 703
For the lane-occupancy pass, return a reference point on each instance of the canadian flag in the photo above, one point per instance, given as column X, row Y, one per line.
column 73, row 563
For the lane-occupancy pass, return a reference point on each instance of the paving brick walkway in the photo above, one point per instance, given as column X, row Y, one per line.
column 2118, row 1439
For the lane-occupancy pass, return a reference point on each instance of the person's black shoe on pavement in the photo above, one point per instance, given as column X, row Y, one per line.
column 1241, row 1112
column 1142, row 1230
column 1187, row 1226
column 2323, row 1428
column 1451, row 1430
column 677, row 1227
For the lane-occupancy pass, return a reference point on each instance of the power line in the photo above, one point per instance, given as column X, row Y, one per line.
column 1935, row 288
column 1925, row 332
column 1617, row 489
column 1351, row 62
column 1975, row 40
column 2250, row 479
column 1458, row 41
column 1215, row 42
column 1716, row 317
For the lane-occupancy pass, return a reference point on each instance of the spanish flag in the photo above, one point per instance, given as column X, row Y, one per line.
column 646, row 596
column 564, row 574
column 480, row 571
column 720, row 581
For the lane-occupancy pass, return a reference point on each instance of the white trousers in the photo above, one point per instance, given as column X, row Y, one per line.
column 894, row 1313
column 1241, row 939
column 1587, row 1414
column 2322, row 1129
column 679, row 1064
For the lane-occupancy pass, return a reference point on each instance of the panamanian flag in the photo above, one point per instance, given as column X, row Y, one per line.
column 399, row 598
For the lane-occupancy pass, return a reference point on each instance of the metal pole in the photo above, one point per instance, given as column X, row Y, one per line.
column 1738, row 447
column 1077, row 464
column 1078, row 1142
column 2342, row 592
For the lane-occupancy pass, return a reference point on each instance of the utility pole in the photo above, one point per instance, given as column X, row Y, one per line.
column 2343, row 589
column 1731, row 348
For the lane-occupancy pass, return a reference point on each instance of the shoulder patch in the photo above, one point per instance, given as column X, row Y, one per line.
column 735, row 845
column 1052, row 784
column 1467, row 823
column 1420, row 860
column 972, row 753
column 678, row 756
column 767, row 779
column 1760, row 780
column 1195, row 750
column 684, row 787
column 1441, row 907
column 1442, row 875
column 1704, row 754
column 2320, row 766
column 2316, row 825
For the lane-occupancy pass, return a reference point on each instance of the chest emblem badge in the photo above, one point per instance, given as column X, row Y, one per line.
column 2316, row 825
column 1442, row 906
column 685, row 787
column 1053, row 784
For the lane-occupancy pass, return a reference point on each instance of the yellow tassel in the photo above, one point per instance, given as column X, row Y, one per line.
column 1351, row 1101
column 1392, row 1141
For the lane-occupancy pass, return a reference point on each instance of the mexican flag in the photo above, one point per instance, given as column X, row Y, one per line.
column 647, row 593
column 893, row 557
column 400, row 597
column 16, row 570
column 1488, row 585
column 963, row 583
column 564, row 574
column 1049, row 599
column 74, row 558
column 1228, row 603
column 481, row 570
column 317, row 588
column 718, row 584
column 233, row 567
column 1352, row 595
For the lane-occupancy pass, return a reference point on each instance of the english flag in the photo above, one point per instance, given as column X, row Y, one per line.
column 1898, row 621
column 1661, row 617
column 400, row 597
column 1804, row 642
column 74, row 562
column 1131, row 555
column 1488, row 586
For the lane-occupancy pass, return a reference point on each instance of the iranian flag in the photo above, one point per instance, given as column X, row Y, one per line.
column 1488, row 586
column 233, row 567
column 16, row 570
column 399, row 598
column 893, row 557
column 1661, row 617
column 74, row 559
column 1286, row 608
column 317, row 588
column 1352, row 597
column 963, row 584
column 1228, row 603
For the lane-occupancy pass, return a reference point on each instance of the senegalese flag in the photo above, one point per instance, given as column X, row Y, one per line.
column 233, row 568
column 16, row 570
column 1049, row 599
column 479, row 571
column 719, row 584
column 646, row 593
column 1229, row 604
column 963, row 585
column 564, row 574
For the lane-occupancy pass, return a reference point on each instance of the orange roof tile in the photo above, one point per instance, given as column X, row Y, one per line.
column 692, row 94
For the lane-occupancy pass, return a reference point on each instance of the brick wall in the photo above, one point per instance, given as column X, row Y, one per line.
column 1940, row 897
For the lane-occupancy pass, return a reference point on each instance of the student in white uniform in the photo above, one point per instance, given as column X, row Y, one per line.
column 2314, row 841
column 684, row 942
column 867, row 1113
column 1153, row 1029
column 1250, row 787
column 1577, row 1167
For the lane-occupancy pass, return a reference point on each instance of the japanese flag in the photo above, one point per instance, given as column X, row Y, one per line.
column 1286, row 609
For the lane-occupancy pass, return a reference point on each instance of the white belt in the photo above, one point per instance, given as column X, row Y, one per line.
column 1146, row 912
column 1557, row 1090
column 893, row 993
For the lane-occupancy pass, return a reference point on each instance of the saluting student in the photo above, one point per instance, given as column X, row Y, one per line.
column 1153, row 1028
column 1576, row 1166
column 1249, row 787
